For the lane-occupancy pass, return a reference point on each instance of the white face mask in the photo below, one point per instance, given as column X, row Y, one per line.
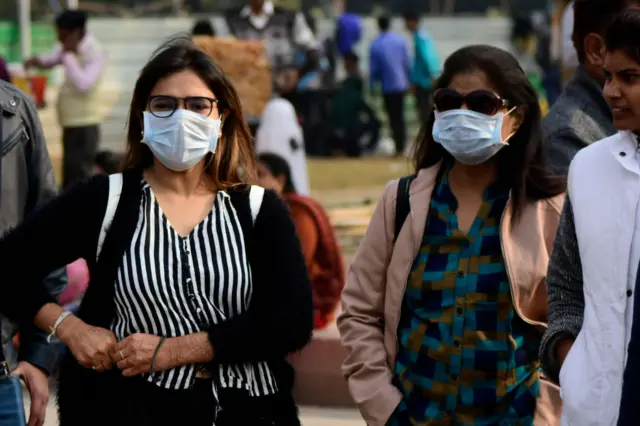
column 470, row 137
column 181, row 140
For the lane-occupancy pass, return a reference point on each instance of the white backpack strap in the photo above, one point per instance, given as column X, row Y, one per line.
column 115, row 189
column 256, row 194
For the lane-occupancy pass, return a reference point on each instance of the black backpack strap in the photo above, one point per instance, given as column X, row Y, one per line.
column 403, row 207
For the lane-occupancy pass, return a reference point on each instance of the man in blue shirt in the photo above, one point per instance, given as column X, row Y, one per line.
column 390, row 66
column 426, row 65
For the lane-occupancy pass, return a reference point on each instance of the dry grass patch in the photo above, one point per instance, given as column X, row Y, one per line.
column 345, row 173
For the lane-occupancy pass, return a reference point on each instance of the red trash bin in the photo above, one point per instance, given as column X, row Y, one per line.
column 39, row 89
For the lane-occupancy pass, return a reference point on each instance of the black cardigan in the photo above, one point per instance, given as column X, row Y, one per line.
column 279, row 320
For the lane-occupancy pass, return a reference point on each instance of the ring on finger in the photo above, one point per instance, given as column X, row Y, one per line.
column 121, row 355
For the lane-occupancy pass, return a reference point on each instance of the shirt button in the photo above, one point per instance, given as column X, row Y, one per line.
column 12, row 102
column 461, row 273
column 623, row 154
column 629, row 293
column 188, row 280
column 459, row 311
column 198, row 310
column 456, row 343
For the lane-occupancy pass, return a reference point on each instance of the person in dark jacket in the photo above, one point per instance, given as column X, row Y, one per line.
column 581, row 115
column 355, row 125
column 198, row 289
column 26, row 182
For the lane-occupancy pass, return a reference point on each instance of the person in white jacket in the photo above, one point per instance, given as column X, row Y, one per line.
column 592, row 345
column 280, row 133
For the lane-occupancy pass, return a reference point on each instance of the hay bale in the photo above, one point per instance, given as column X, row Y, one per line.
column 246, row 64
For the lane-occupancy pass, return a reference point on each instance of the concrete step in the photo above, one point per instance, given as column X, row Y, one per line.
column 319, row 379
column 317, row 416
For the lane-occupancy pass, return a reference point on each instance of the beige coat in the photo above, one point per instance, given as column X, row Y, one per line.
column 372, row 298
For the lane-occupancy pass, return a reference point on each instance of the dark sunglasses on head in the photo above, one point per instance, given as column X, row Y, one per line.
column 482, row 101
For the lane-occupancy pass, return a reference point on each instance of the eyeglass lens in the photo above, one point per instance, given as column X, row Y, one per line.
column 165, row 106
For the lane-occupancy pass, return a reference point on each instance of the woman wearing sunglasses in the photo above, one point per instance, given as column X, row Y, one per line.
column 190, row 312
column 445, row 303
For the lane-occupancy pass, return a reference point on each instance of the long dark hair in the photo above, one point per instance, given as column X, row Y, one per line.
column 278, row 166
column 522, row 164
column 233, row 163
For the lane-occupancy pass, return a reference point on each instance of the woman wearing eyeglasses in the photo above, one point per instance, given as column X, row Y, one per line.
column 199, row 290
column 445, row 302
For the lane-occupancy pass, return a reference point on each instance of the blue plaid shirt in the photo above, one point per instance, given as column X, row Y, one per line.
column 465, row 357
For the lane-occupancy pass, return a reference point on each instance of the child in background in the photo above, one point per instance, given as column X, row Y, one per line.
column 322, row 252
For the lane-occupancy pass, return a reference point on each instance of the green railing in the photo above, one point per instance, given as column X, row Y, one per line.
column 43, row 38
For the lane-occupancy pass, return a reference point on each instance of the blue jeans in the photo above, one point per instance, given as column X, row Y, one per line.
column 11, row 403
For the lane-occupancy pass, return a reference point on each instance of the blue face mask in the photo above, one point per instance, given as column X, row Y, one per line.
column 470, row 137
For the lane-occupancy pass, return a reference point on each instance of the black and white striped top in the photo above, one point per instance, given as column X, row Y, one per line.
column 169, row 285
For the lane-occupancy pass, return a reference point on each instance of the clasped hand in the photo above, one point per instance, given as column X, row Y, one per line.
column 98, row 348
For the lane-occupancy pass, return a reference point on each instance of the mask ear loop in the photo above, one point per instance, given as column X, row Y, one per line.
column 506, row 140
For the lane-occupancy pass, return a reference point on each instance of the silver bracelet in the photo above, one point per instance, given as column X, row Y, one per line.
column 54, row 329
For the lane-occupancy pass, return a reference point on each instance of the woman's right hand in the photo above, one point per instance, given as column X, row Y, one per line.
column 91, row 346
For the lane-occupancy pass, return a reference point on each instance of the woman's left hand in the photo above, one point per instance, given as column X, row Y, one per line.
column 134, row 354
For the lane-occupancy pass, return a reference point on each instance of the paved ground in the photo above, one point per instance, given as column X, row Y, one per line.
column 311, row 416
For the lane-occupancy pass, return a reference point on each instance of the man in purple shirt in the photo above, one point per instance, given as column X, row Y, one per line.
column 349, row 32
column 390, row 67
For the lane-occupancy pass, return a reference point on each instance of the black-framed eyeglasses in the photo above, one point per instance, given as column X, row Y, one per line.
column 482, row 101
column 163, row 106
